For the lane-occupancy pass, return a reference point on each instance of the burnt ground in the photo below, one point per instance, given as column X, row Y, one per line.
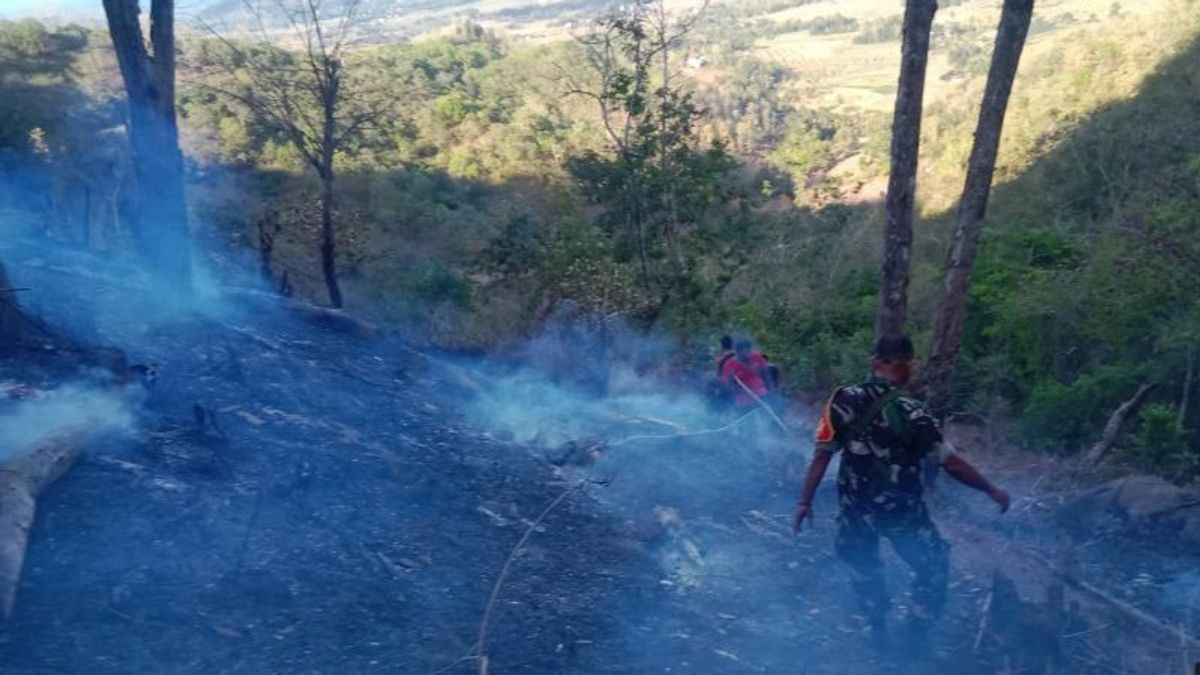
column 347, row 515
column 338, row 530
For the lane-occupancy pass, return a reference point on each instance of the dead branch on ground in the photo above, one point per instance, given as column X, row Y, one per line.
column 1138, row 615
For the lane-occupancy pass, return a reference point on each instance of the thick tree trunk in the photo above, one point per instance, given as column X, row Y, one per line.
column 948, row 322
column 160, row 225
column 328, row 241
column 902, row 181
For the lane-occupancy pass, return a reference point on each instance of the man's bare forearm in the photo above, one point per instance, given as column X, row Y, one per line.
column 816, row 471
column 963, row 472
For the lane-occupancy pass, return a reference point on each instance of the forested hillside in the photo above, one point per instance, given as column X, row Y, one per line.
column 483, row 188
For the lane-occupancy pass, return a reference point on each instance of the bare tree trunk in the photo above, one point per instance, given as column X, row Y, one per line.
column 643, row 256
column 328, row 244
column 948, row 321
column 283, row 98
column 330, row 92
column 902, row 181
column 267, row 230
column 1112, row 429
column 665, row 168
column 161, row 228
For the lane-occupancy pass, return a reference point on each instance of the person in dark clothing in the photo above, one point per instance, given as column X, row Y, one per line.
column 725, row 354
column 773, row 377
column 883, row 435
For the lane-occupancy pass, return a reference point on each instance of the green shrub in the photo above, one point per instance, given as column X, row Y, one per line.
column 1065, row 417
column 1159, row 445
column 439, row 283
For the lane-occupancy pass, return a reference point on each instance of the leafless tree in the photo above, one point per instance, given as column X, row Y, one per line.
column 620, row 61
column 305, row 96
column 667, row 34
column 160, row 226
column 644, row 115
column 948, row 322
column 902, row 181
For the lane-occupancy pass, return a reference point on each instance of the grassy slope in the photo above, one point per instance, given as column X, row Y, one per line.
column 865, row 75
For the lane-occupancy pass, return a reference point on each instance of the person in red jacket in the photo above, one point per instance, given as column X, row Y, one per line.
column 745, row 373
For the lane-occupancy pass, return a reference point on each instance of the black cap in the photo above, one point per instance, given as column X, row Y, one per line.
column 726, row 342
column 895, row 347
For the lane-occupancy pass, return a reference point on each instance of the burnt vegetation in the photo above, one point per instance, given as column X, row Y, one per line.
column 322, row 352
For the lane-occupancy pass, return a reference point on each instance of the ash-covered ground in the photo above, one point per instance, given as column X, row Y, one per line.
column 294, row 497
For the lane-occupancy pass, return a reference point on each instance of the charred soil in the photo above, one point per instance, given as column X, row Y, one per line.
column 296, row 499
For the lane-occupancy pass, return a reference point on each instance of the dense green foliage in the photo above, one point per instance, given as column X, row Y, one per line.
column 487, row 193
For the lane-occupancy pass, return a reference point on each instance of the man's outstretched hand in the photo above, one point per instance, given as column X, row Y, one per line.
column 1000, row 497
column 812, row 479
column 963, row 472
column 803, row 512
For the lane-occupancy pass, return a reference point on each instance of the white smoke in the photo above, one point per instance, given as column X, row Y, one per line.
column 68, row 409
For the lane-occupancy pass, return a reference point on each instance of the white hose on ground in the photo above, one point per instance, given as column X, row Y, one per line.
column 758, row 400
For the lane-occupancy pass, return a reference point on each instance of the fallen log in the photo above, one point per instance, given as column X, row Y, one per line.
column 22, row 479
column 333, row 319
column 337, row 320
column 1121, row 606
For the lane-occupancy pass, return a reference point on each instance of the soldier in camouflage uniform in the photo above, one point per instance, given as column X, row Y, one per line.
column 883, row 436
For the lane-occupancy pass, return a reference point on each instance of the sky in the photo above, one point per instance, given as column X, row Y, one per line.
column 19, row 8
column 12, row 9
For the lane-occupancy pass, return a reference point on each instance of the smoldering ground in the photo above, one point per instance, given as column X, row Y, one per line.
column 708, row 495
column 361, row 498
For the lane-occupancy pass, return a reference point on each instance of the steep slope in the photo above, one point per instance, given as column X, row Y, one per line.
column 352, row 506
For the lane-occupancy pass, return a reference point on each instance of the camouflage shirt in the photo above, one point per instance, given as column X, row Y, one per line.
column 880, row 468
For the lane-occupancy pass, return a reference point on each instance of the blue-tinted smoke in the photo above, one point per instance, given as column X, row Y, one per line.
column 69, row 409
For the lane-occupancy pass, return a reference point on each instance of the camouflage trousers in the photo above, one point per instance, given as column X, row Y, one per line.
column 915, row 540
